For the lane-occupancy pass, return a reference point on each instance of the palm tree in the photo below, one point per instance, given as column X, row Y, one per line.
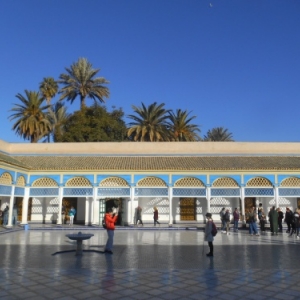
column 48, row 89
column 180, row 126
column 218, row 134
column 32, row 119
column 149, row 123
column 80, row 81
column 59, row 117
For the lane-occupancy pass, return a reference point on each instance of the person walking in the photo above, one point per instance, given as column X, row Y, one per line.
column 236, row 218
column 155, row 216
column 227, row 221
column 110, row 220
column 72, row 213
column 222, row 213
column 273, row 217
column 139, row 216
column 208, row 237
column 252, row 222
column 288, row 219
column 5, row 215
column 280, row 218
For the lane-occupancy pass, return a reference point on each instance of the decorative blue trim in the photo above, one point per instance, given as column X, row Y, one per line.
column 259, row 192
column 237, row 178
column 202, row 178
column 189, row 192
column 271, row 178
column 34, row 178
column 165, row 178
column 289, row 192
column 230, row 192
column 100, row 178
column 19, row 191
column 78, row 192
column 113, row 192
column 44, row 192
column 5, row 190
column 138, row 192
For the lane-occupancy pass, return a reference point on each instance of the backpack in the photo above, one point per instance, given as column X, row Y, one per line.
column 104, row 223
column 214, row 229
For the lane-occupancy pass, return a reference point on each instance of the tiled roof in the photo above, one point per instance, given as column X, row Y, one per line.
column 159, row 163
column 11, row 161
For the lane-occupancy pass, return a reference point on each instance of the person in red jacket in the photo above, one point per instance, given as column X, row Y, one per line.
column 110, row 220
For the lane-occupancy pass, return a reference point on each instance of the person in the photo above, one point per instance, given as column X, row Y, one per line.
column 288, row 219
column 259, row 210
column 280, row 218
column 273, row 217
column 72, row 213
column 139, row 216
column 5, row 215
column 227, row 221
column 15, row 214
column 155, row 216
column 110, row 220
column 262, row 222
column 208, row 237
column 222, row 213
column 252, row 222
column 297, row 221
column 236, row 217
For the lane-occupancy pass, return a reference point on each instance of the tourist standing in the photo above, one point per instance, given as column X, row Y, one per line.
column 15, row 214
column 227, row 221
column 155, row 216
column 208, row 237
column 262, row 222
column 110, row 220
column 5, row 215
column 252, row 222
column 280, row 218
column 273, row 217
column 222, row 213
column 297, row 221
column 288, row 219
column 72, row 213
column 236, row 218
column 139, row 216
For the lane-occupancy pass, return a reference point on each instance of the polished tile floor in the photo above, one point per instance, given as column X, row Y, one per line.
column 149, row 264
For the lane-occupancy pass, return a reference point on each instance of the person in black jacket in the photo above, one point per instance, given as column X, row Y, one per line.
column 289, row 219
column 280, row 218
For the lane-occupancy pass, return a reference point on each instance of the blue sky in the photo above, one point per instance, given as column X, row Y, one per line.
column 232, row 63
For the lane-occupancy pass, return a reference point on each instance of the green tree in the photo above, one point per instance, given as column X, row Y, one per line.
column 80, row 81
column 48, row 89
column 180, row 127
column 94, row 124
column 218, row 134
column 59, row 119
column 32, row 119
column 149, row 124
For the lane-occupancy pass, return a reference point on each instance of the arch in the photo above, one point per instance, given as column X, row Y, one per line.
column 291, row 182
column 151, row 181
column 189, row 181
column 6, row 178
column 21, row 181
column 78, row 181
column 259, row 181
column 225, row 182
column 114, row 182
column 45, row 182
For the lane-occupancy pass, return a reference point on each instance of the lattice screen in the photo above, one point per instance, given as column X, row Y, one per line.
column 21, row 181
column 113, row 182
column 292, row 181
column 259, row 181
column 189, row 181
column 5, row 178
column 78, row 181
column 151, row 181
column 45, row 182
column 225, row 182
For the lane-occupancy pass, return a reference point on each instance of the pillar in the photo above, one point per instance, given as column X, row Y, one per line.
column 170, row 191
column 208, row 196
column 11, row 206
column 60, row 198
column 25, row 206
column 243, row 203
column 94, row 210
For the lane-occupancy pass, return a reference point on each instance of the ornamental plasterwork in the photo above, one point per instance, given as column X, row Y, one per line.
column 20, row 181
column 225, row 182
column 259, row 181
column 114, row 182
column 45, row 182
column 291, row 181
column 5, row 178
column 189, row 181
column 151, row 181
column 78, row 181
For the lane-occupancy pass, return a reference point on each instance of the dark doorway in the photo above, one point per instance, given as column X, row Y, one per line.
column 187, row 209
column 250, row 202
column 110, row 203
column 19, row 202
column 67, row 203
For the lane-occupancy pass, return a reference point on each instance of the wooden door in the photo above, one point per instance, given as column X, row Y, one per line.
column 187, row 209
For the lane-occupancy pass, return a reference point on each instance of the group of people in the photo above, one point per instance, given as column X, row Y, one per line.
column 138, row 216
column 225, row 220
column 5, row 212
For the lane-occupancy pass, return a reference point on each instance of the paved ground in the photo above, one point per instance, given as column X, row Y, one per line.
column 148, row 264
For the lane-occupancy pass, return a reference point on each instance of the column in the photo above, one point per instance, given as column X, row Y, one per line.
column 243, row 203
column 208, row 196
column 95, row 212
column 170, row 191
column 131, row 209
column 11, row 206
column 276, row 194
column 60, row 198
column 25, row 206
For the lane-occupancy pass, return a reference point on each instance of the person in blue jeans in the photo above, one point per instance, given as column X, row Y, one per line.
column 252, row 222
column 72, row 213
